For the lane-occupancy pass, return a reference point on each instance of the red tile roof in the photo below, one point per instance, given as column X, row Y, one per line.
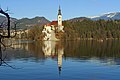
column 48, row 24
column 52, row 23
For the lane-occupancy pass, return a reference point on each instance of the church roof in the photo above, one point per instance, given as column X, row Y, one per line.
column 48, row 24
column 52, row 23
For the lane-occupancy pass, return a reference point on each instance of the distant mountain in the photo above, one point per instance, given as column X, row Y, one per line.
column 25, row 23
column 78, row 19
column 3, row 18
column 107, row 16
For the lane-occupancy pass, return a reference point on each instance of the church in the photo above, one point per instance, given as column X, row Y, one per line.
column 50, row 29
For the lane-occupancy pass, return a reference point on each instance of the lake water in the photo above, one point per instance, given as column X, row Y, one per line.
column 50, row 60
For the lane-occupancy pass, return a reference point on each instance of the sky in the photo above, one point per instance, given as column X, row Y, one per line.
column 49, row 8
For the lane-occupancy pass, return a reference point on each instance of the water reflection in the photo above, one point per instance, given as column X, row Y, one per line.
column 105, row 52
column 52, row 49
column 43, row 60
column 2, row 59
column 43, row 50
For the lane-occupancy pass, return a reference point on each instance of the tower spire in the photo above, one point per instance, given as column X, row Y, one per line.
column 59, row 11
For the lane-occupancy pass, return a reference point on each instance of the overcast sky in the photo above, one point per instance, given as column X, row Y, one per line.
column 49, row 8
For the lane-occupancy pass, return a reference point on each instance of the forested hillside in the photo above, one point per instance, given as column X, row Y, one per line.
column 88, row 29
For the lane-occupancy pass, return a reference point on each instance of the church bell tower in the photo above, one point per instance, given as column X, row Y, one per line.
column 59, row 17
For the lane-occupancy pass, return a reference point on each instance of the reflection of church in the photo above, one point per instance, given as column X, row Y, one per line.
column 53, row 49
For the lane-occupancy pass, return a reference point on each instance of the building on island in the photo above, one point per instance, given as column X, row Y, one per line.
column 50, row 29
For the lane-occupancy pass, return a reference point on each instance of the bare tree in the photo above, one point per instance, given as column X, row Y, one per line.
column 6, row 35
column 8, row 25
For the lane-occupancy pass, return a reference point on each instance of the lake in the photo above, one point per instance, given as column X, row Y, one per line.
column 70, row 60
